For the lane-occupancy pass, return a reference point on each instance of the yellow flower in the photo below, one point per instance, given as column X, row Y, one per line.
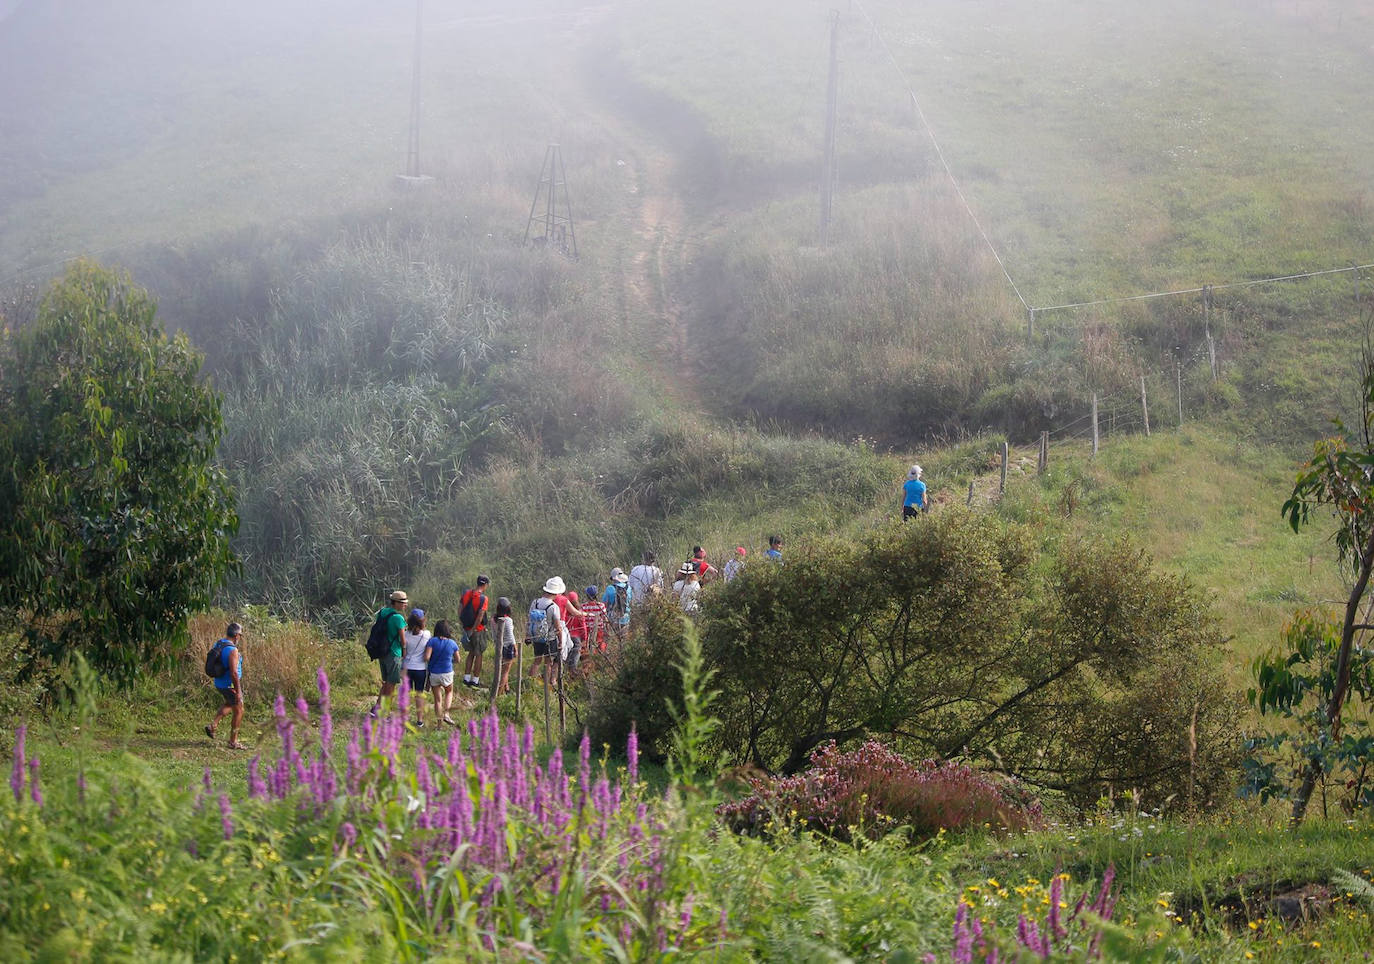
column 1254, row 926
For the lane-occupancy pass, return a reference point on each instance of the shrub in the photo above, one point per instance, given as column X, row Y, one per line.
column 873, row 790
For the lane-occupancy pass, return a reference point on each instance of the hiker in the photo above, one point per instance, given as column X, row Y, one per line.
column 774, row 549
column 229, row 683
column 913, row 494
column 687, row 587
column 704, row 569
column 546, row 624
column 646, row 576
column 439, row 658
column 618, row 598
column 415, row 662
column 472, row 616
column 736, row 565
column 594, row 612
column 576, row 618
column 505, row 639
column 389, row 662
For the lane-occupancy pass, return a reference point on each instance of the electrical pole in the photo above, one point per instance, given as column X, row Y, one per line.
column 831, row 107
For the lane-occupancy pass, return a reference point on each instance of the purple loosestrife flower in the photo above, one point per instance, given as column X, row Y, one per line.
column 81, row 786
column 35, row 791
column 685, row 918
column 1057, row 930
column 226, row 814
column 963, row 937
column 349, row 834
column 326, row 717
column 584, row 768
column 17, row 770
column 207, row 780
column 632, row 755
column 403, row 700
column 257, row 787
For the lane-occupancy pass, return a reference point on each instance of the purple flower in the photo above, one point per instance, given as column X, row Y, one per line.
column 349, row 834
column 35, row 791
column 226, row 814
column 257, row 787
column 17, row 770
column 81, row 786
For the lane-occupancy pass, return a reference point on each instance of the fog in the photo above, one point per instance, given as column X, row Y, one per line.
column 143, row 122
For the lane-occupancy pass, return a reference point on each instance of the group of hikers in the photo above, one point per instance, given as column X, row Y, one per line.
column 563, row 628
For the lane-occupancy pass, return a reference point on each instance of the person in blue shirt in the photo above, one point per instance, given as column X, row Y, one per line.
column 774, row 549
column 913, row 494
column 618, row 599
column 230, row 685
column 439, row 652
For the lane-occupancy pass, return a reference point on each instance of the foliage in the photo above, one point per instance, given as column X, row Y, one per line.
column 871, row 791
column 1278, row 760
column 953, row 636
column 114, row 523
column 1077, row 935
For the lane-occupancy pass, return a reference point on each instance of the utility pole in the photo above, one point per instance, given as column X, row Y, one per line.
column 412, row 174
column 832, row 94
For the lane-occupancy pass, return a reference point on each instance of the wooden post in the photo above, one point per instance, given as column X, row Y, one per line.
column 1002, row 486
column 562, row 706
column 1144, row 407
column 1094, row 423
column 970, row 494
column 1178, row 375
column 1030, row 324
column 519, row 677
column 1207, row 328
column 1044, row 462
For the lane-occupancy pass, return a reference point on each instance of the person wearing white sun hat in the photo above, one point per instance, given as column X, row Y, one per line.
column 913, row 494
column 546, row 628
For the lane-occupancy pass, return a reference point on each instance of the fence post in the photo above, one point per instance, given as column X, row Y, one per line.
column 1144, row 407
column 1207, row 327
column 1044, row 454
column 1030, row 324
column 1002, row 486
column 970, row 494
column 1178, row 375
column 1094, row 423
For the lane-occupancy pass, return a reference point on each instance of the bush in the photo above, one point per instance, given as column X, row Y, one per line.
column 873, row 790
column 638, row 685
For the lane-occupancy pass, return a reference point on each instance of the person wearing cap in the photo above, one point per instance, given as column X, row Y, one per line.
column 703, row 568
column 472, row 615
column 546, row 624
column 230, row 685
column 687, row 588
column 736, row 565
column 646, row 577
column 390, row 662
column 415, row 662
column 618, row 599
column 913, row 494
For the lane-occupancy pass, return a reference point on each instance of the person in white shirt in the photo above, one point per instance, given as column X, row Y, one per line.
column 414, row 640
column 735, row 565
column 644, row 576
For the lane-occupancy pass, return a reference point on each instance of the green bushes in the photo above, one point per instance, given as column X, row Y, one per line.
column 1080, row 671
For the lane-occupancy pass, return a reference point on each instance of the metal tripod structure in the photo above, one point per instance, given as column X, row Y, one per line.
column 413, row 174
column 557, row 231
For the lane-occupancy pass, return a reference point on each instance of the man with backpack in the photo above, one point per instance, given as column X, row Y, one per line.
column 225, row 664
column 646, row 576
column 472, row 616
column 618, row 597
column 385, row 643
column 546, row 625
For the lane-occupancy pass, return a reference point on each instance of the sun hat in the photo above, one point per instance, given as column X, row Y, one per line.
column 739, row 550
column 914, row 472
column 687, row 569
column 418, row 613
column 617, row 573
column 555, row 586
column 398, row 596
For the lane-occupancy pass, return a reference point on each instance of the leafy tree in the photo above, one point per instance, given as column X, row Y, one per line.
column 953, row 636
column 114, row 524
column 1338, row 477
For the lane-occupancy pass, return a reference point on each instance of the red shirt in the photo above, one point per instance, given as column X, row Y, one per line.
column 594, row 616
column 479, row 603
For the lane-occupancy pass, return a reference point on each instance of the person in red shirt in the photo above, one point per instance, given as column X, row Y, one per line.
column 594, row 614
column 704, row 569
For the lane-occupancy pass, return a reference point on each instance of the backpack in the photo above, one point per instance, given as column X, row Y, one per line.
column 472, row 608
column 541, row 626
column 378, row 642
column 620, row 605
column 214, row 660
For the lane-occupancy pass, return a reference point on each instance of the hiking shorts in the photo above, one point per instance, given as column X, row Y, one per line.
column 545, row 647
column 910, row 512
column 418, row 678
column 390, row 666
column 438, row 681
column 474, row 642
column 232, row 697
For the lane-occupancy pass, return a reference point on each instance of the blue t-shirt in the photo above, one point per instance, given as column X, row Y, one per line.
column 915, row 491
column 223, row 680
column 608, row 597
column 441, row 650
column 774, row 554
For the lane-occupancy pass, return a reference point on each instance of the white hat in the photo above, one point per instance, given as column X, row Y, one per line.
column 555, row 587
column 914, row 472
